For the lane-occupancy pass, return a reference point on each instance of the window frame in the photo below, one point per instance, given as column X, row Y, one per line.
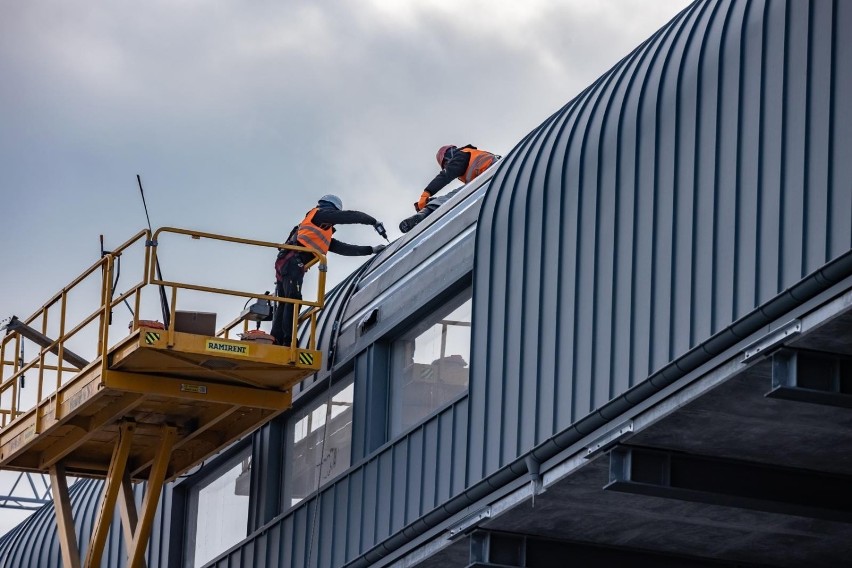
column 193, row 483
column 345, row 378
column 449, row 296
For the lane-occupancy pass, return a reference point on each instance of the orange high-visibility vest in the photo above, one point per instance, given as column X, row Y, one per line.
column 479, row 162
column 314, row 236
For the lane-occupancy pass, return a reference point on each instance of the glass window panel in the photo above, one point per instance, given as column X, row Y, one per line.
column 222, row 511
column 320, row 453
column 429, row 364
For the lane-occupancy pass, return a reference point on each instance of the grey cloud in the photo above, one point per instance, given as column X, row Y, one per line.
column 238, row 114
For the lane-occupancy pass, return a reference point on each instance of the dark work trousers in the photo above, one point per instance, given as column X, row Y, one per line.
column 287, row 285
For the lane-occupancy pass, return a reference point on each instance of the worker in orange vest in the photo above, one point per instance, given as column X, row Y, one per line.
column 314, row 232
column 465, row 163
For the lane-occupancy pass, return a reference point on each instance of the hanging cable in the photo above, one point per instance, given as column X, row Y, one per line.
column 115, row 280
column 21, row 380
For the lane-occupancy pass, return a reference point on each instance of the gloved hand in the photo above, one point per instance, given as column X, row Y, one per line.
column 378, row 248
column 424, row 198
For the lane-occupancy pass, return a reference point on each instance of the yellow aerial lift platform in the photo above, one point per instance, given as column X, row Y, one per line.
column 148, row 406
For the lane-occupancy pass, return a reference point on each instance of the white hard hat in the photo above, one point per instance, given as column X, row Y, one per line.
column 334, row 200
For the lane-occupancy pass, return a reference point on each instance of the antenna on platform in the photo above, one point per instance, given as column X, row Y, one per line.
column 164, row 303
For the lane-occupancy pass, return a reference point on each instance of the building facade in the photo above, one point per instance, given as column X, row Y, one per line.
column 629, row 342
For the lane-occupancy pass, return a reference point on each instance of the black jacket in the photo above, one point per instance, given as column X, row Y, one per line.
column 456, row 167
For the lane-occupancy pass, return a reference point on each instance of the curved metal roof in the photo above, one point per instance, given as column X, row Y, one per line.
column 673, row 207
column 35, row 542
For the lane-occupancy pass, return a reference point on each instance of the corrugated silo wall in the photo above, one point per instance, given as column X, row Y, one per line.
column 685, row 191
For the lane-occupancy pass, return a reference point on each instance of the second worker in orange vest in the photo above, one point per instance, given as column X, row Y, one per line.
column 314, row 232
column 464, row 163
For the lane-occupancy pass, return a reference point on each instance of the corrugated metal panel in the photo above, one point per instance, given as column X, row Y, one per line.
column 35, row 543
column 690, row 186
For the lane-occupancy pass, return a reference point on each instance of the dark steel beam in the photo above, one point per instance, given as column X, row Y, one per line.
column 490, row 549
column 44, row 341
column 730, row 483
column 812, row 376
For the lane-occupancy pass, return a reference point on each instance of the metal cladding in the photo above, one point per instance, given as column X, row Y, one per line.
column 695, row 191
column 693, row 194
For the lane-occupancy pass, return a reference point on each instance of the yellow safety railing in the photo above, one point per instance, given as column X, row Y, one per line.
column 104, row 269
column 313, row 305
column 10, row 344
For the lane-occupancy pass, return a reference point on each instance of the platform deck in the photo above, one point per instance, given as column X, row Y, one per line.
column 213, row 391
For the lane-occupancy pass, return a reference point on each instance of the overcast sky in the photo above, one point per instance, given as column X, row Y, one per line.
column 238, row 115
